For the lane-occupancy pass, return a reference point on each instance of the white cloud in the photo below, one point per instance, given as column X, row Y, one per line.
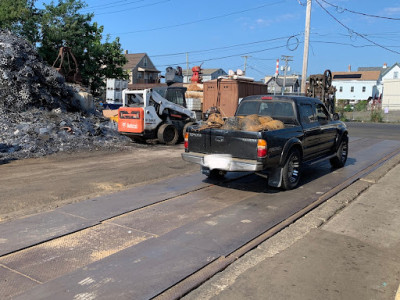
column 392, row 10
column 261, row 22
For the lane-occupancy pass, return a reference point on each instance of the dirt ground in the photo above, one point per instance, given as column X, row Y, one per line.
column 34, row 185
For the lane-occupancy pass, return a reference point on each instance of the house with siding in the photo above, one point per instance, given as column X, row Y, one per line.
column 390, row 80
column 365, row 83
column 206, row 74
column 356, row 86
column 140, row 68
column 275, row 84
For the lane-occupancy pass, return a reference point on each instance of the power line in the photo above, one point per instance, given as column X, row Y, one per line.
column 200, row 20
column 124, row 10
column 258, row 58
column 228, row 56
column 342, row 9
column 109, row 5
column 356, row 33
column 220, row 48
column 261, row 72
column 347, row 44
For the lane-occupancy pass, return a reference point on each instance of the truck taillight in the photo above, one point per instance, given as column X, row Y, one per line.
column 262, row 148
column 186, row 143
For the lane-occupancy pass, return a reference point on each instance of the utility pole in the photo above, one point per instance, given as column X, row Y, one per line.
column 187, row 68
column 306, row 44
column 245, row 63
column 286, row 58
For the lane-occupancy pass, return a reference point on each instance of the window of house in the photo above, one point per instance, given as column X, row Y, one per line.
column 352, row 89
column 139, row 75
column 340, row 89
column 364, row 89
column 145, row 62
column 395, row 75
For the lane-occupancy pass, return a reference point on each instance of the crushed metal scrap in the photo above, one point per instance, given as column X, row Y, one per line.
column 39, row 113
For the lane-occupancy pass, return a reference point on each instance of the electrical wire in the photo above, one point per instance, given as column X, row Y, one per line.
column 261, row 72
column 342, row 9
column 109, row 5
column 228, row 56
column 347, row 44
column 200, row 20
column 220, row 48
column 356, row 33
column 124, row 10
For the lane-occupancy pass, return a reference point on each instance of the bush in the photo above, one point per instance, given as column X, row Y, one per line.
column 348, row 108
column 361, row 105
column 376, row 115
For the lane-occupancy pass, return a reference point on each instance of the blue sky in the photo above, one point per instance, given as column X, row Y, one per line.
column 220, row 33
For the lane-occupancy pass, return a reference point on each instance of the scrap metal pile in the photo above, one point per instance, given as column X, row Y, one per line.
column 244, row 123
column 39, row 113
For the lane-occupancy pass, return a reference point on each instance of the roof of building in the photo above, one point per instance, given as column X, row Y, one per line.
column 134, row 59
column 290, row 81
column 388, row 69
column 371, row 69
column 203, row 71
column 359, row 75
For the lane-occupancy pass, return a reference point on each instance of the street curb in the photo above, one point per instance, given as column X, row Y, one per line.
column 291, row 234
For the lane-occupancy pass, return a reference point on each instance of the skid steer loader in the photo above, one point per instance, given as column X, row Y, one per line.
column 158, row 113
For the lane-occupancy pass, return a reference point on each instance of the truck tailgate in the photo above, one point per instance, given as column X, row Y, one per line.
column 240, row 144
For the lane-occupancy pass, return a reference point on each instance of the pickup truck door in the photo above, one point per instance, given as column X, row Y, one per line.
column 328, row 130
column 311, row 129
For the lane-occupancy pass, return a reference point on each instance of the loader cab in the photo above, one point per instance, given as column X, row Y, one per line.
column 173, row 94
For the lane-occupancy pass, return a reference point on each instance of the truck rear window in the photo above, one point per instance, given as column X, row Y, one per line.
column 266, row 108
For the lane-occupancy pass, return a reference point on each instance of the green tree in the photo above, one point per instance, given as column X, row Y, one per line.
column 21, row 17
column 12, row 12
column 62, row 25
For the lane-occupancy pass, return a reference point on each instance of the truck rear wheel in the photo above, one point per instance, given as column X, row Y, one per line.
column 291, row 170
column 167, row 134
column 341, row 155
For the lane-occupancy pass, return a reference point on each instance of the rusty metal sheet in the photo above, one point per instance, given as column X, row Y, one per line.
column 12, row 283
column 105, row 207
column 138, row 272
column 63, row 255
column 21, row 233
column 167, row 216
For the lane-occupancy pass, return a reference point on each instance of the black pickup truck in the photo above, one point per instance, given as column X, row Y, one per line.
column 310, row 135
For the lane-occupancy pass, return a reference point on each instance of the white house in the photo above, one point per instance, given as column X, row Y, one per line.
column 390, row 80
column 206, row 74
column 356, row 86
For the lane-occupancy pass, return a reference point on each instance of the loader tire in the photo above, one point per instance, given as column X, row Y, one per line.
column 185, row 128
column 167, row 134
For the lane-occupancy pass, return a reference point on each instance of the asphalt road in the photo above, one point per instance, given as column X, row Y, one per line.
column 374, row 130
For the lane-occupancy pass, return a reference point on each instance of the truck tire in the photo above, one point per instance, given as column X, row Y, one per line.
column 291, row 170
column 167, row 134
column 341, row 154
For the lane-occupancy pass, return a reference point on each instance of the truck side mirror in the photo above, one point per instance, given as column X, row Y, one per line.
column 335, row 116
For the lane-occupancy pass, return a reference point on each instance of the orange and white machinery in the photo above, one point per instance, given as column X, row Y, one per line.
column 158, row 113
